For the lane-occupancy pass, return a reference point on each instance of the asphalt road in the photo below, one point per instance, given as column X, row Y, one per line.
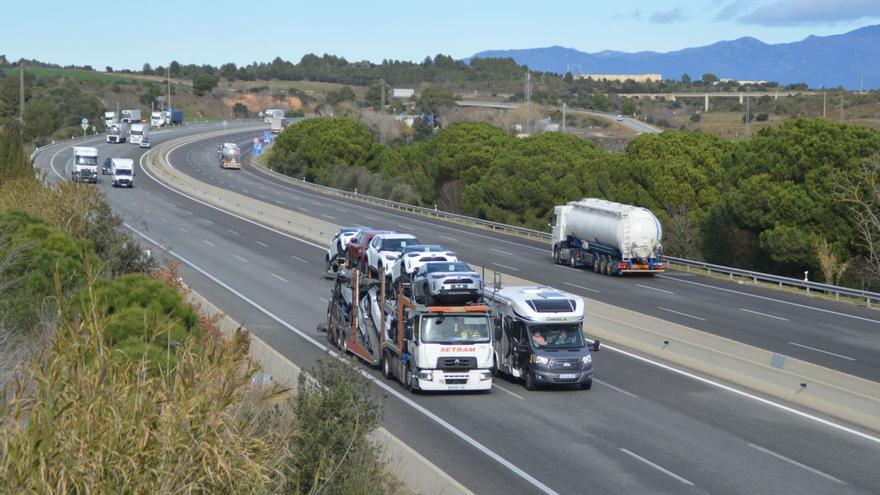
column 642, row 429
column 836, row 335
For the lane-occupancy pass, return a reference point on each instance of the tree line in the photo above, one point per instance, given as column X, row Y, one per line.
column 784, row 201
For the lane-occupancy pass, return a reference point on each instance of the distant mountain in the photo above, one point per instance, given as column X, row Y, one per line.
column 828, row 61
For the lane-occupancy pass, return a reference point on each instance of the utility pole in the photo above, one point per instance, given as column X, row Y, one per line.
column 527, row 127
column 382, row 110
column 564, row 105
column 748, row 116
column 20, row 92
column 841, row 107
column 823, row 104
column 861, row 83
column 168, row 77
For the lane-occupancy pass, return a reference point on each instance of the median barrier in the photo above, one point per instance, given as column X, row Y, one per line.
column 830, row 392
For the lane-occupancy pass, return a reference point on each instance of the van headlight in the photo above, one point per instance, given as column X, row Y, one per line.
column 587, row 359
column 542, row 360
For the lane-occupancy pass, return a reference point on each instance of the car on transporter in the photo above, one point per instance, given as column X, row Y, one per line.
column 384, row 249
column 415, row 256
column 440, row 282
column 339, row 245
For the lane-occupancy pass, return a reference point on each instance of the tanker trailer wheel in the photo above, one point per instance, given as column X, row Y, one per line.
column 607, row 266
column 596, row 265
column 572, row 260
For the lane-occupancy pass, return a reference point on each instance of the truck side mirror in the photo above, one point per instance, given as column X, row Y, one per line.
column 496, row 323
column 407, row 331
column 596, row 345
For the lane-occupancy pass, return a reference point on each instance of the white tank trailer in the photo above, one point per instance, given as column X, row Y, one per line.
column 611, row 238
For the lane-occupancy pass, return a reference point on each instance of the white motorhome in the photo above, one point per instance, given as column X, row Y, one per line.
column 123, row 172
column 272, row 113
column 85, row 164
column 138, row 132
column 539, row 336
column 117, row 132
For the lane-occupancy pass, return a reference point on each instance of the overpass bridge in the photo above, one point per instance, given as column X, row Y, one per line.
column 721, row 94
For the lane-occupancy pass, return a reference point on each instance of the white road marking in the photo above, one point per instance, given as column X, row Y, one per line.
column 680, row 313
column 327, row 216
column 504, row 389
column 502, row 252
column 445, row 237
column 208, row 243
column 163, row 220
column 658, row 468
column 232, row 231
column 301, row 208
column 763, row 314
column 148, row 212
column 261, row 196
column 375, row 219
column 239, row 258
column 765, row 298
column 385, row 386
column 324, row 300
column 565, row 267
column 580, row 287
column 341, row 210
column 279, row 278
column 823, row 352
column 183, row 230
column 796, row 463
column 655, row 288
column 280, row 202
column 297, row 258
column 505, row 266
column 612, row 387
column 442, row 422
column 263, row 244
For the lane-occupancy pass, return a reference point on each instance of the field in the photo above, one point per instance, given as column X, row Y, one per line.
column 82, row 75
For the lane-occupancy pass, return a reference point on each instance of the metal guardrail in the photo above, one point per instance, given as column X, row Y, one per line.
column 809, row 286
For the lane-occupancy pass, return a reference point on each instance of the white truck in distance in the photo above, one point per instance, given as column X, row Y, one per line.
column 85, row 164
column 130, row 116
column 138, row 132
column 110, row 118
column 117, row 132
column 158, row 119
column 272, row 113
column 612, row 238
column 123, row 172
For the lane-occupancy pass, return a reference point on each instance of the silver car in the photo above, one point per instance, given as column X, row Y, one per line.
column 446, row 283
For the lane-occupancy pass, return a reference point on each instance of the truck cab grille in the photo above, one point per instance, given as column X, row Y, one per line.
column 456, row 363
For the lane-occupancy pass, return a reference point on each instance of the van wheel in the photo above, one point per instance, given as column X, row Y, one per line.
column 530, row 381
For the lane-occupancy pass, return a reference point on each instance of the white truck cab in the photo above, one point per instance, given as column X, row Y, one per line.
column 85, row 164
column 138, row 132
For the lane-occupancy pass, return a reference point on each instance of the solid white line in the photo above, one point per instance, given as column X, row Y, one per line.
column 232, row 231
column 505, row 266
column 297, row 258
column 263, row 244
column 658, row 468
column 796, row 463
column 655, row 288
column 612, row 387
column 763, row 314
column 502, row 252
column 580, row 287
column 52, row 163
column 671, row 369
column 504, row 389
column 823, row 352
column 765, row 298
column 388, row 388
column 208, row 243
column 279, row 278
column 680, row 313
column 239, row 257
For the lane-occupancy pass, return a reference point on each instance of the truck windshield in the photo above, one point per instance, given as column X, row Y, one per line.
column 137, row 133
column 556, row 336
column 87, row 160
column 123, row 172
column 455, row 329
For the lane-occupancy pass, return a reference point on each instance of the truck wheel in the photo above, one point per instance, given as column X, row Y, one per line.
column 556, row 258
column 609, row 268
column 572, row 260
column 386, row 366
column 340, row 341
column 587, row 385
column 407, row 378
column 530, row 381
column 595, row 265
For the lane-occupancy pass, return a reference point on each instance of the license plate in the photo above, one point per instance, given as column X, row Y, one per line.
column 567, row 376
column 456, row 387
column 459, row 286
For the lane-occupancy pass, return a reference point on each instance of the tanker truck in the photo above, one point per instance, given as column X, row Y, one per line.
column 611, row 238
column 230, row 156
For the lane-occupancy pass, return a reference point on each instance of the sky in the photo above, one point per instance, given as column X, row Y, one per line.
column 127, row 34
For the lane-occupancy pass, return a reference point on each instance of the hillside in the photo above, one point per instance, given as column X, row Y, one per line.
column 829, row 61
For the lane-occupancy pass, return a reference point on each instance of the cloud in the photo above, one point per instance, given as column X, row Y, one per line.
column 632, row 14
column 667, row 16
column 800, row 12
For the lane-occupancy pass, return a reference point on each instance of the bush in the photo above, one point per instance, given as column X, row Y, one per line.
column 309, row 147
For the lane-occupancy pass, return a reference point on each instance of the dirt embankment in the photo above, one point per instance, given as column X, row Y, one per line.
column 258, row 102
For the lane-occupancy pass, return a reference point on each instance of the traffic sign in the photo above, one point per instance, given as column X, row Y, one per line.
column 256, row 141
column 258, row 148
column 84, row 121
column 267, row 136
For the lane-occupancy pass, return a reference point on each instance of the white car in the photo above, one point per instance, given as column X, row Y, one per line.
column 417, row 255
column 384, row 250
column 620, row 118
column 338, row 245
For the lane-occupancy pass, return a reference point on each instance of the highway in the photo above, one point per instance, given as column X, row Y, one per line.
column 642, row 429
column 635, row 125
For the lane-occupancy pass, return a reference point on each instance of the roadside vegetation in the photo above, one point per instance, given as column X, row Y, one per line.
column 112, row 383
column 782, row 201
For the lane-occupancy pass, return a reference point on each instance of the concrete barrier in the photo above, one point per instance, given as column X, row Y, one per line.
column 411, row 468
column 828, row 391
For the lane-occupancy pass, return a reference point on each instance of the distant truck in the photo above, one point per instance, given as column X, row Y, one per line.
column 278, row 125
column 157, row 119
column 272, row 113
column 612, row 238
column 138, row 132
column 130, row 116
column 85, row 164
column 123, row 172
column 175, row 117
column 110, row 118
column 539, row 336
column 230, row 156
column 166, row 117
column 117, row 132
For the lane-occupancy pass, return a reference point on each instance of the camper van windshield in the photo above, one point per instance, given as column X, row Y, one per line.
column 455, row 329
column 556, row 336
